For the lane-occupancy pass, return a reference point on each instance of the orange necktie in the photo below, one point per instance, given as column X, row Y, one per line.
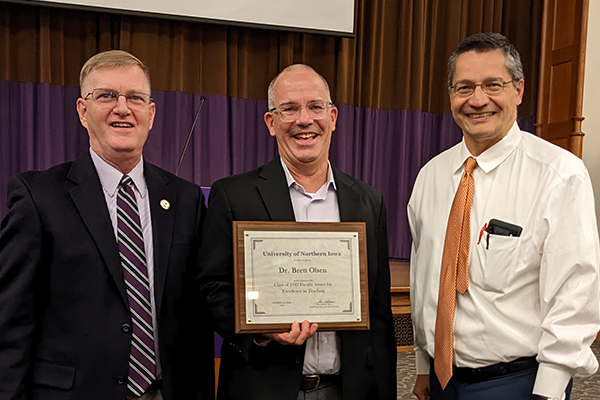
column 454, row 276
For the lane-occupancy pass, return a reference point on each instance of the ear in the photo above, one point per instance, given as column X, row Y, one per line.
column 270, row 121
column 334, row 115
column 520, row 90
column 152, row 114
column 82, row 111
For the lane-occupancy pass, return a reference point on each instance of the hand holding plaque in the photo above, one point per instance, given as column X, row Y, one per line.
column 298, row 334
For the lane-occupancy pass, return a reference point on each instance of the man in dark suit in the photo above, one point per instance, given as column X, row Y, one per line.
column 96, row 257
column 299, row 185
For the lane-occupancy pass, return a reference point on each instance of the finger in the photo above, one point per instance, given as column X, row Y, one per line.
column 291, row 336
column 304, row 332
column 286, row 338
column 309, row 330
column 295, row 328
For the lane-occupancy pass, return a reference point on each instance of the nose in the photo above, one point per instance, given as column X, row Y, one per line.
column 478, row 98
column 303, row 117
column 121, row 106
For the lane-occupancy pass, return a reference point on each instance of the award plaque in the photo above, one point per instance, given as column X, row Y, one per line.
column 296, row 271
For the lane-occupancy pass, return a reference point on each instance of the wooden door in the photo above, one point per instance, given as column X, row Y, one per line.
column 562, row 64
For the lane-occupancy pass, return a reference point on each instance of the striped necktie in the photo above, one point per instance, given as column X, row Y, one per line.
column 454, row 275
column 142, row 362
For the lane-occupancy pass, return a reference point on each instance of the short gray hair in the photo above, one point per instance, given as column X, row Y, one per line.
column 290, row 68
column 489, row 41
column 110, row 58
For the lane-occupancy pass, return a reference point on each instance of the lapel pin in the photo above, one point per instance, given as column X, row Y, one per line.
column 165, row 204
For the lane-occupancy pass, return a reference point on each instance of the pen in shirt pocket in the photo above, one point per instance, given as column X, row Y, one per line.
column 483, row 229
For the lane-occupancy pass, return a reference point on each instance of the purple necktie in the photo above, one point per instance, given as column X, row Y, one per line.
column 142, row 361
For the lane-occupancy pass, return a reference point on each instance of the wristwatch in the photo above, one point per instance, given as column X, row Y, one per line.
column 538, row 397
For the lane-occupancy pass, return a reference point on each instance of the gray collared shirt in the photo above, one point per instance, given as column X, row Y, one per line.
column 322, row 354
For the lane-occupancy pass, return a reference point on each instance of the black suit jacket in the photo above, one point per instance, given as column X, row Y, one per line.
column 248, row 371
column 63, row 306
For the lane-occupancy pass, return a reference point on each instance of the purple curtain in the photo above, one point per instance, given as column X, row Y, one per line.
column 39, row 127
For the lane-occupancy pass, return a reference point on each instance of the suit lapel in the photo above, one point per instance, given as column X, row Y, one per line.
column 273, row 190
column 162, row 225
column 89, row 200
column 348, row 198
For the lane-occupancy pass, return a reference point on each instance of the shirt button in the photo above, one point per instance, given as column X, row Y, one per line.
column 120, row 380
column 324, row 340
column 126, row 328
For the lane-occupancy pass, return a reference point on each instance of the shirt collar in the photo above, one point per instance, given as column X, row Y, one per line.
column 291, row 182
column 110, row 177
column 492, row 157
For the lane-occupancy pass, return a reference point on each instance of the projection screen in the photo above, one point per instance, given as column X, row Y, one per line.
column 334, row 17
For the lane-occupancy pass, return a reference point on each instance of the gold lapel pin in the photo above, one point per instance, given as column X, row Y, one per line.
column 165, row 204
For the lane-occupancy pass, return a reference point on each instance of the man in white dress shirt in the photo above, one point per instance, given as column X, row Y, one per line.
column 524, row 326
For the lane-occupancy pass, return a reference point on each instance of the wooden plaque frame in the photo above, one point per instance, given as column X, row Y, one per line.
column 238, row 230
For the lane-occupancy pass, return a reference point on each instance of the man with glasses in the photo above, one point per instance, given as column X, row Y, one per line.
column 299, row 185
column 504, row 264
column 96, row 257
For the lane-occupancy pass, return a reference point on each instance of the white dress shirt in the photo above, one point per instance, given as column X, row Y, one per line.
column 322, row 355
column 110, row 178
column 537, row 294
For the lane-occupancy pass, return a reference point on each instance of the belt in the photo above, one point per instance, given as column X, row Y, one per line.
column 314, row 381
column 472, row 375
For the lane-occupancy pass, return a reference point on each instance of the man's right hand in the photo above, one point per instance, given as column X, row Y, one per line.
column 296, row 336
column 421, row 389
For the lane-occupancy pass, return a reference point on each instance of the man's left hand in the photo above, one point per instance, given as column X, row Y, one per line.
column 296, row 336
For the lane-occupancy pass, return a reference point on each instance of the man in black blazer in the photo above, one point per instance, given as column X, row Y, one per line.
column 66, row 319
column 299, row 185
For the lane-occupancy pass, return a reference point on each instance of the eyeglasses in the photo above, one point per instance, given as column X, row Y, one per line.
column 109, row 96
column 467, row 88
column 289, row 112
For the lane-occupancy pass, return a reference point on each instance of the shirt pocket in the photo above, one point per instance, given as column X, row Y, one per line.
column 497, row 256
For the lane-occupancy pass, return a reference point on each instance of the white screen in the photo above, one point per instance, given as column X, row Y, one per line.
column 327, row 16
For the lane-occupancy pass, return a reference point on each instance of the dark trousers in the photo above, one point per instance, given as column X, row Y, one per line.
column 331, row 391
column 517, row 386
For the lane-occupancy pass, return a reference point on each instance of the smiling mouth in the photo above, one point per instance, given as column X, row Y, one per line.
column 480, row 115
column 305, row 136
column 121, row 125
